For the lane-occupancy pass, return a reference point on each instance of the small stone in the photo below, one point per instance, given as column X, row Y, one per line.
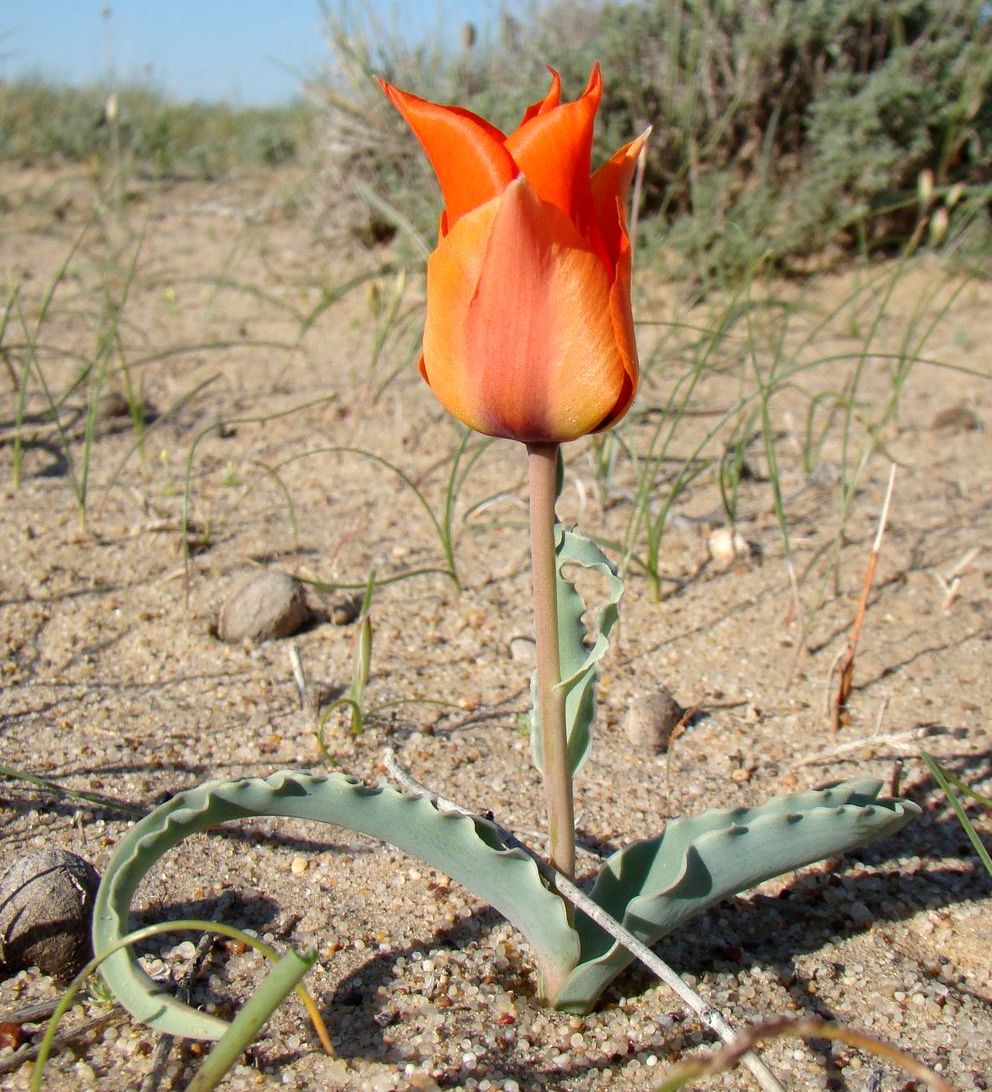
column 726, row 546
column 956, row 419
column 111, row 405
column 523, row 650
column 860, row 914
column 299, row 865
column 651, row 720
column 266, row 605
column 345, row 608
column 46, row 907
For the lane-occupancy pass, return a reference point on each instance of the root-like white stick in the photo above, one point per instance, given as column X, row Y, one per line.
column 299, row 676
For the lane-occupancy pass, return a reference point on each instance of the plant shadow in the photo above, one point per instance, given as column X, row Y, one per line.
column 827, row 906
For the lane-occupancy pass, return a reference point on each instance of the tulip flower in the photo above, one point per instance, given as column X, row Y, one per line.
column 529, row 334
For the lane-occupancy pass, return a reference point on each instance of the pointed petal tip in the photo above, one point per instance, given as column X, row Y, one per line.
column 595, row 84
column 634, row 148
column 401, row 100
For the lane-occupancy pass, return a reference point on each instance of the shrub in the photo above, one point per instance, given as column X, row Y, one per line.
column 780, row 129
column 41, row 123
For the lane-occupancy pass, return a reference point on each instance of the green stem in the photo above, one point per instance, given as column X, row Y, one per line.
column 543, row 472
column 253, row 1015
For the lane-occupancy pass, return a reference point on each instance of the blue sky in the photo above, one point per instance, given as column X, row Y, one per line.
column 245, row 51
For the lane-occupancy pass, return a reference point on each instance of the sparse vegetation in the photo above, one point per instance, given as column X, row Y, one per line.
column 42, row 124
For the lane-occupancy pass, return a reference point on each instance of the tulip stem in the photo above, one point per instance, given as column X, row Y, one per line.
column 543, row 474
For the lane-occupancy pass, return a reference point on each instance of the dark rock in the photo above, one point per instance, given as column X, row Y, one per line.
column 345, row 608
column 956, row 419
column 46, row 908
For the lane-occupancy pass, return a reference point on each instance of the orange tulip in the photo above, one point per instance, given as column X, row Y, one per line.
column 529, row 333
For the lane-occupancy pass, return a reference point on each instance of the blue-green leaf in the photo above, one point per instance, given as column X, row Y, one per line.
column 653, row 886
column 467, row 849
column 579, row 650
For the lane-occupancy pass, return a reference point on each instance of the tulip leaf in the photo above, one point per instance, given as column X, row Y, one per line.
column 579, row 649
column 468, row 849
column 654, row 886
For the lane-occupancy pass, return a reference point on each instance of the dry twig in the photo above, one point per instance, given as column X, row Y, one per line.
column 847, row 667
column 63, row 1039
column 950, row 584
column 805, row 1028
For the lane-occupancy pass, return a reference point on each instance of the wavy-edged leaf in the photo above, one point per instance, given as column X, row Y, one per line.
column 467, row 849
column 653, row 886
column 579, row 651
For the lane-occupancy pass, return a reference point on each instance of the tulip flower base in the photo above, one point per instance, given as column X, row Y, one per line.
column 651, row 887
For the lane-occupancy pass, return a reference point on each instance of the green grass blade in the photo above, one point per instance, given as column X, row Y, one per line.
column 944, row 780
column 252, row 1015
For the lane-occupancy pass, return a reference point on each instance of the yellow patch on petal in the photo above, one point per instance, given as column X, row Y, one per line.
column 453, row 271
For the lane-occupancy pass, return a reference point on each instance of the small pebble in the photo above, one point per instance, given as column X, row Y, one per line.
column 522, row 650
column 266, row 605
column 956, row 419
column 111, row 405
column 726, row 546
column 46, row 907
column 651, row 720
column 344, row 608
column 860, row 914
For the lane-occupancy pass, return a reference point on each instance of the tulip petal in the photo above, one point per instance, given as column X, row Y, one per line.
column 610, row 185
column 623, row 333
column 525, row 334
column 467, row 153
column 554, row 151
column 549, row 102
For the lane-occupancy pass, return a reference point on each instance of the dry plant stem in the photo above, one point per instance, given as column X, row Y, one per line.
column 847, row 668
column 69, row 1038
column 184, row 990
column 709, row 1015
column 542, row 462
column 811, row 1028
column 299, row 675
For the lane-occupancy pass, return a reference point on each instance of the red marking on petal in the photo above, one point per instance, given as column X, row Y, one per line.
column 544, row 363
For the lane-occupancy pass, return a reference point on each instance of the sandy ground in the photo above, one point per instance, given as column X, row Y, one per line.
column 115, row 682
